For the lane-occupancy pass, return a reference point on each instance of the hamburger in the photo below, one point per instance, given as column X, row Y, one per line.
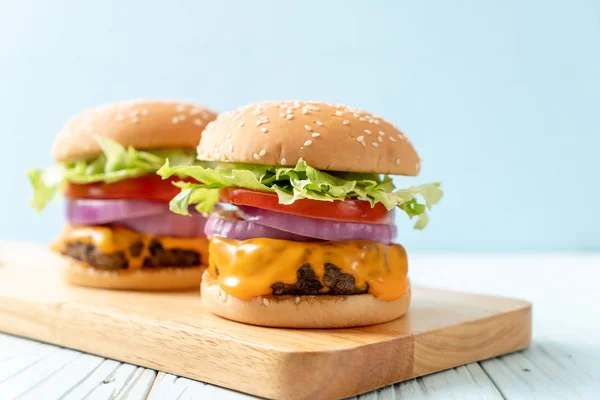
column 308, row 239
column 119, row 232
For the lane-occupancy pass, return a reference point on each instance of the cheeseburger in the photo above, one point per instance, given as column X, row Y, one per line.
column 310, row 243
column 120, row 233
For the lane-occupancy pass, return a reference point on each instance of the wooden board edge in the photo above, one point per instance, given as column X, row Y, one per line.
column 471, row 341
column 335, row 374
column 344, row 373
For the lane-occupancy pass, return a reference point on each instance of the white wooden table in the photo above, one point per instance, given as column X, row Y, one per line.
column 563, row 361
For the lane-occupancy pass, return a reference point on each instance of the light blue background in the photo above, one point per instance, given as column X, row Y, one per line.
column 500, row 98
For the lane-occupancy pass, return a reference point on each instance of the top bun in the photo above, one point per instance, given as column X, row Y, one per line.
column 330, row 137
column 141, row 124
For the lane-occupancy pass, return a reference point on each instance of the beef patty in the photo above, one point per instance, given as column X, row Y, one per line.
column 336, row 281
column 159, row 256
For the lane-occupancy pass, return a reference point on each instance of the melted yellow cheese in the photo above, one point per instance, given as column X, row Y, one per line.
column 248, row 268
column 112, row 239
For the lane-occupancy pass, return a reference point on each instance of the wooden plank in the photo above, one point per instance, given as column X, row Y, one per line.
column 547, row 370
column 167, row 386
column 13, row 366
column 139, row 387
column 12, row 346
column 171, row 332
column 18, row 384
column 37, row 370
column 113, row 380
column 59, row 383
column 465, row 382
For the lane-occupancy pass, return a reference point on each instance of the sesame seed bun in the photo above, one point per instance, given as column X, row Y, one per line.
column 141, row 124
column 327, row 136
column 302, row 311
column 78, row 273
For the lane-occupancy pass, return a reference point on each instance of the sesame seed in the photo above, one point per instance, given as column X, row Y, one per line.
column 397, row 161
column 376, row 122
column 182, row 117
column 362, row 118
column 305, row 111
column 262, row 152
column 308, row 128
column 256, row 156
column 282, row 115
column 120, row 117
column 363, row 144
column 237, row 116
column 144, row 112
column 375, row 144
column 242, row 124
column 264, row 130
column 289, row 116
column 371, row 120
column 266, row 302
column 228, row 136
column 230, row 148
column 194, row 111
column 368, row 132
column 360, row 138
column 316, row 134
column 346, row 122
column 319, row 123
column 175, row 120
column 392, row 139
column 258, row 122
column 381, row 133
column 417, row 166
column 380, row 139
column 401, row 137
column 283, row 161
column 198, row 121
column 339, row 113
column 297, row 300
column 308, row 143
column 180, row 108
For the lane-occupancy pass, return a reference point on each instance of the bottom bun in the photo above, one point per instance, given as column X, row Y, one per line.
column 303, row 311
column 164, row 278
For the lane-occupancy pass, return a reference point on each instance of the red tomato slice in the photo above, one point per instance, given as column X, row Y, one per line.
column 149, row 187
column 347, row 210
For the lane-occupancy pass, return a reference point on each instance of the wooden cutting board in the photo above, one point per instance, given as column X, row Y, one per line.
column 172, row 333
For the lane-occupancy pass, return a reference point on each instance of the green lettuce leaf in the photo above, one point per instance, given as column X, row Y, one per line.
column 45, row 185
column 299, row 182
column 114, row 164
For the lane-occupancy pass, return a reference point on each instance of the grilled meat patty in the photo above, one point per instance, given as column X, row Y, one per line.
column 336, row 283
column 158, row 256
